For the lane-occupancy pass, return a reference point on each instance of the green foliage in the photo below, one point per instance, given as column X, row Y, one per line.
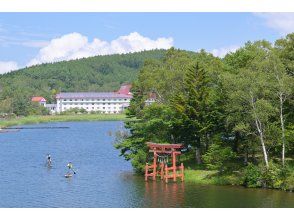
column 169, row 120
column 284, row 48
column 275, row 177
column 206, row 103
column 36, row 119
column 74, row 111
column 288, row 183
column 198, row 107
column 37, row 109
column 153, row 125
column 218, row 158
column 252, row 176
column 271, row 177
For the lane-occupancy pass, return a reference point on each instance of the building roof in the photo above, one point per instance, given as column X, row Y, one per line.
column 81, row 95
column 38, row 99
column 125, row 89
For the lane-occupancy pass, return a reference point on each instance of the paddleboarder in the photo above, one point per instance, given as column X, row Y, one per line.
column 49, row 160
column 70, row 167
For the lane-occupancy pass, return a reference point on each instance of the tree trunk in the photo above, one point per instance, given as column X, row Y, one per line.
column 260, row 132
column 283, row 128
column 198, row 155
column 262, row 142
column 198, row 151
column 236, row 141
column 246, row 156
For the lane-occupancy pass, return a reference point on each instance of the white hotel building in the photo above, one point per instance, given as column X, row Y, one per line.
column 104, row 102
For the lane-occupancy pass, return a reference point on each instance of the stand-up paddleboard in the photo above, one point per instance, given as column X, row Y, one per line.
column 68, row 175
column 48, row 165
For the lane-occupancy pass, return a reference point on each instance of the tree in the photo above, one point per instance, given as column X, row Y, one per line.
column 284, row 48
column 283, row 90
column 251, row 89
column 198, row 112
column 217, row 157
column 153, row 124
column 283, row 74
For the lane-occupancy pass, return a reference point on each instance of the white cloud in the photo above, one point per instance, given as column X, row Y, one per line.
column 36, row 44
column 74, row 46
column 221, row 52
column 281, row 22
column 7, row 66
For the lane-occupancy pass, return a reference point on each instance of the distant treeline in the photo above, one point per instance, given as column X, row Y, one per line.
column 100, row 73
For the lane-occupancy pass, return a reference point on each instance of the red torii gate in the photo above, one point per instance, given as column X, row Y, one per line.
column 167, row 149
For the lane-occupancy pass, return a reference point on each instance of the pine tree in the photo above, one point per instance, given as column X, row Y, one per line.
column 196, row 109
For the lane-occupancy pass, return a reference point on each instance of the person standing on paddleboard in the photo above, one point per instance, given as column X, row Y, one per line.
column 70, row 167
column 49, row 161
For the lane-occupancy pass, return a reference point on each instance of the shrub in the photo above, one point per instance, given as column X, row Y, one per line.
column 252, row 176
column 272, row 176
column 217, row 157
column 259, row 176
column 288, row 183
column 74, row 111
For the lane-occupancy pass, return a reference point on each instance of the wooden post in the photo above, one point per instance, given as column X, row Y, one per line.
column 162, row 171
column 146, row 172
column 154, row 165
column 182, row 170
column 174, row 167
column 166, row 174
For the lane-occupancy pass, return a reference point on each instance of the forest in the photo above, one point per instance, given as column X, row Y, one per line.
column 233, row 115
column 95, row 74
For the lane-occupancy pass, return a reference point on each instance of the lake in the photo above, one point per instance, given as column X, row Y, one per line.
column 103, row 178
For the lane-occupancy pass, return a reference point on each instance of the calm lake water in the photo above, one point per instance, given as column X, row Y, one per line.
column 103, row 178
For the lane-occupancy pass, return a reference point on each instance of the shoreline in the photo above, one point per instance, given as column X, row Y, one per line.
column 37, row 119
column 210, row 177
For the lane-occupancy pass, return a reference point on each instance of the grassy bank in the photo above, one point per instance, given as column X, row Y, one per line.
column 61, row 118
column 211, row 177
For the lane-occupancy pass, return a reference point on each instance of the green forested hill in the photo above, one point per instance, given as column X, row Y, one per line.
column 100, row 73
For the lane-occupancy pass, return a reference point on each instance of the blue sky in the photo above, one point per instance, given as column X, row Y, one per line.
column 32, row 38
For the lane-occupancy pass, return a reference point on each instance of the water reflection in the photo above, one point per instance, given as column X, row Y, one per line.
column 160, row 194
